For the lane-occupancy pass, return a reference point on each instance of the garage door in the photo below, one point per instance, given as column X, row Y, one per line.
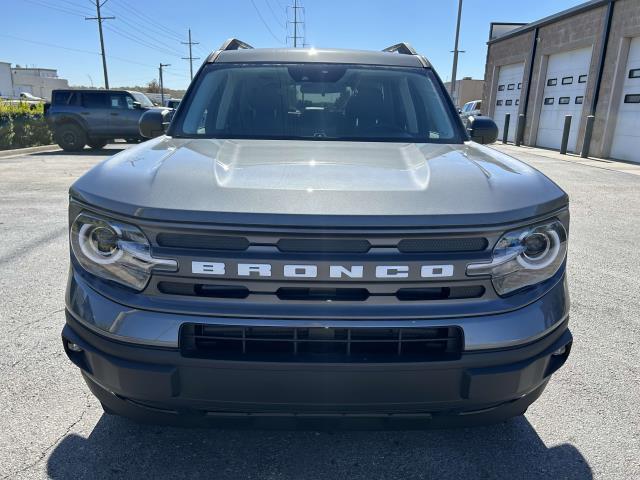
column 508, row 97
column 563, row 95
column 626, row 137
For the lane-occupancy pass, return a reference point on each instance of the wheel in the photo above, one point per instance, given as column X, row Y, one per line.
column 132, row 140
column 70, row 137
column 97, row 144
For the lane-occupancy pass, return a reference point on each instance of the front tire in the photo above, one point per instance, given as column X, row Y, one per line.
column 70, row 137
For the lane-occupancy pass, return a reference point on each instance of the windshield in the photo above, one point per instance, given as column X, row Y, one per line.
column 317, row 101
column 142, row 99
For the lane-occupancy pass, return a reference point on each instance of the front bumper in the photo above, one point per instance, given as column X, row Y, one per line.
column 131, row 360
column 160, row 385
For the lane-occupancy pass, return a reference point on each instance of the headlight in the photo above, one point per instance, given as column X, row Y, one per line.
column 525, row 257
column 115, row 251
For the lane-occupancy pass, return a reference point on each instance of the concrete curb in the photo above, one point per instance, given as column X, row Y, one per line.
column 24, row 151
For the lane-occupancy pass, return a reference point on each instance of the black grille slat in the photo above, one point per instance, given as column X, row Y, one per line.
column 446, row 244
column 314, row 344
column 202, row 242
column 323, row 245
column 315, row 294
column 440, row 293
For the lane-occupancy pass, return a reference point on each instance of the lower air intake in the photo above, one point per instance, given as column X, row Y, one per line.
column 286, row 344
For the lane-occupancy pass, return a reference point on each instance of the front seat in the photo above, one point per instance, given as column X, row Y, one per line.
column 265, row 113
column 365, row 109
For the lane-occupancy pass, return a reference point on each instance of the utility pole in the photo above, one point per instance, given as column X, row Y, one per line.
column 162, row 65
column 101, row 19
column 454, row 71
column 295, row 7
column 191, row 58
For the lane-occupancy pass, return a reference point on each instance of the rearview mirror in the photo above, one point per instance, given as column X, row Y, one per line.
column 154, row 123
column 482, row 129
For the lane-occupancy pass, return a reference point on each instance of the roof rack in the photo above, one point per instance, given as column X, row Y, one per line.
column 230, row 44
column 234, row 44
column 403, row 47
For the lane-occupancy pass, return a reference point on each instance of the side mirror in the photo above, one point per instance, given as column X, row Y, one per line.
column 137, row 105
column 482, row 129
column 154, row 123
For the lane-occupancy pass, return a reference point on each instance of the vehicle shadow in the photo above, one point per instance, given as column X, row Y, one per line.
column 118, row 448
column 85, row 152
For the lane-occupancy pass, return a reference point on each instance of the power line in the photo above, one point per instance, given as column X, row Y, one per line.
column 140, row 41
column 57, row 8
column 83, row 7
column 139, row 30
column 278, row 20
column 191, row 58
column 150, row 22
column 143, row 25
column 76, row 6
column 101, row 19
column 265, row 23
column 88, row 52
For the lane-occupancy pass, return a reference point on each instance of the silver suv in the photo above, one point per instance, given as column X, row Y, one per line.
column 315, row 235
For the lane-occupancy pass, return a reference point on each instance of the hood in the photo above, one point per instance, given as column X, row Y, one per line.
column 278, row 182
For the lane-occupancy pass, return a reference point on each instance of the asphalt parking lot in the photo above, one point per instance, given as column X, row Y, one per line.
column 586, row 425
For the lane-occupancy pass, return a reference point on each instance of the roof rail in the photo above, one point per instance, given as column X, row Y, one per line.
column 403, row 47
column 234, row 44
column 230, row 44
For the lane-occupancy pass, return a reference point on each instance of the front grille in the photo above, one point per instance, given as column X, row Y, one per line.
column 302, row 344
column 322, row 293
column 345, row 282
column 322, row 243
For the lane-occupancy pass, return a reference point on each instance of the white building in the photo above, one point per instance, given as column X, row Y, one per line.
column 6, row 84
column 36, row 81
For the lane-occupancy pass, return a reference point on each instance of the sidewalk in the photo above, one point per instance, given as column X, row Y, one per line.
column 616, row 165
column 24, row 151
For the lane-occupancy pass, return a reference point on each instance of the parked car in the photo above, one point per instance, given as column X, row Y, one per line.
column 28, row 97
column 471, row 109
column 314, row 234
column 95, row 117
column 172, row 102
column 24, row 98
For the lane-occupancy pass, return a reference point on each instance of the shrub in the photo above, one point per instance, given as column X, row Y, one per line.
column 23, row 125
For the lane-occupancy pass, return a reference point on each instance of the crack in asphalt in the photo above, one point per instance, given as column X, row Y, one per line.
column 53, row 444
column 27, row 247
column 21, row 327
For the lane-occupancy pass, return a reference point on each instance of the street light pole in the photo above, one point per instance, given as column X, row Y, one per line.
column 162, row 65
column 454, row 70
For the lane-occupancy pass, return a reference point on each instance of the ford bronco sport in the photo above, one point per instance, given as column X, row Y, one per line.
column 316, row 236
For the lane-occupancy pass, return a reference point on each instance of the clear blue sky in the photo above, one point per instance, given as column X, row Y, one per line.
column 147, row 32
